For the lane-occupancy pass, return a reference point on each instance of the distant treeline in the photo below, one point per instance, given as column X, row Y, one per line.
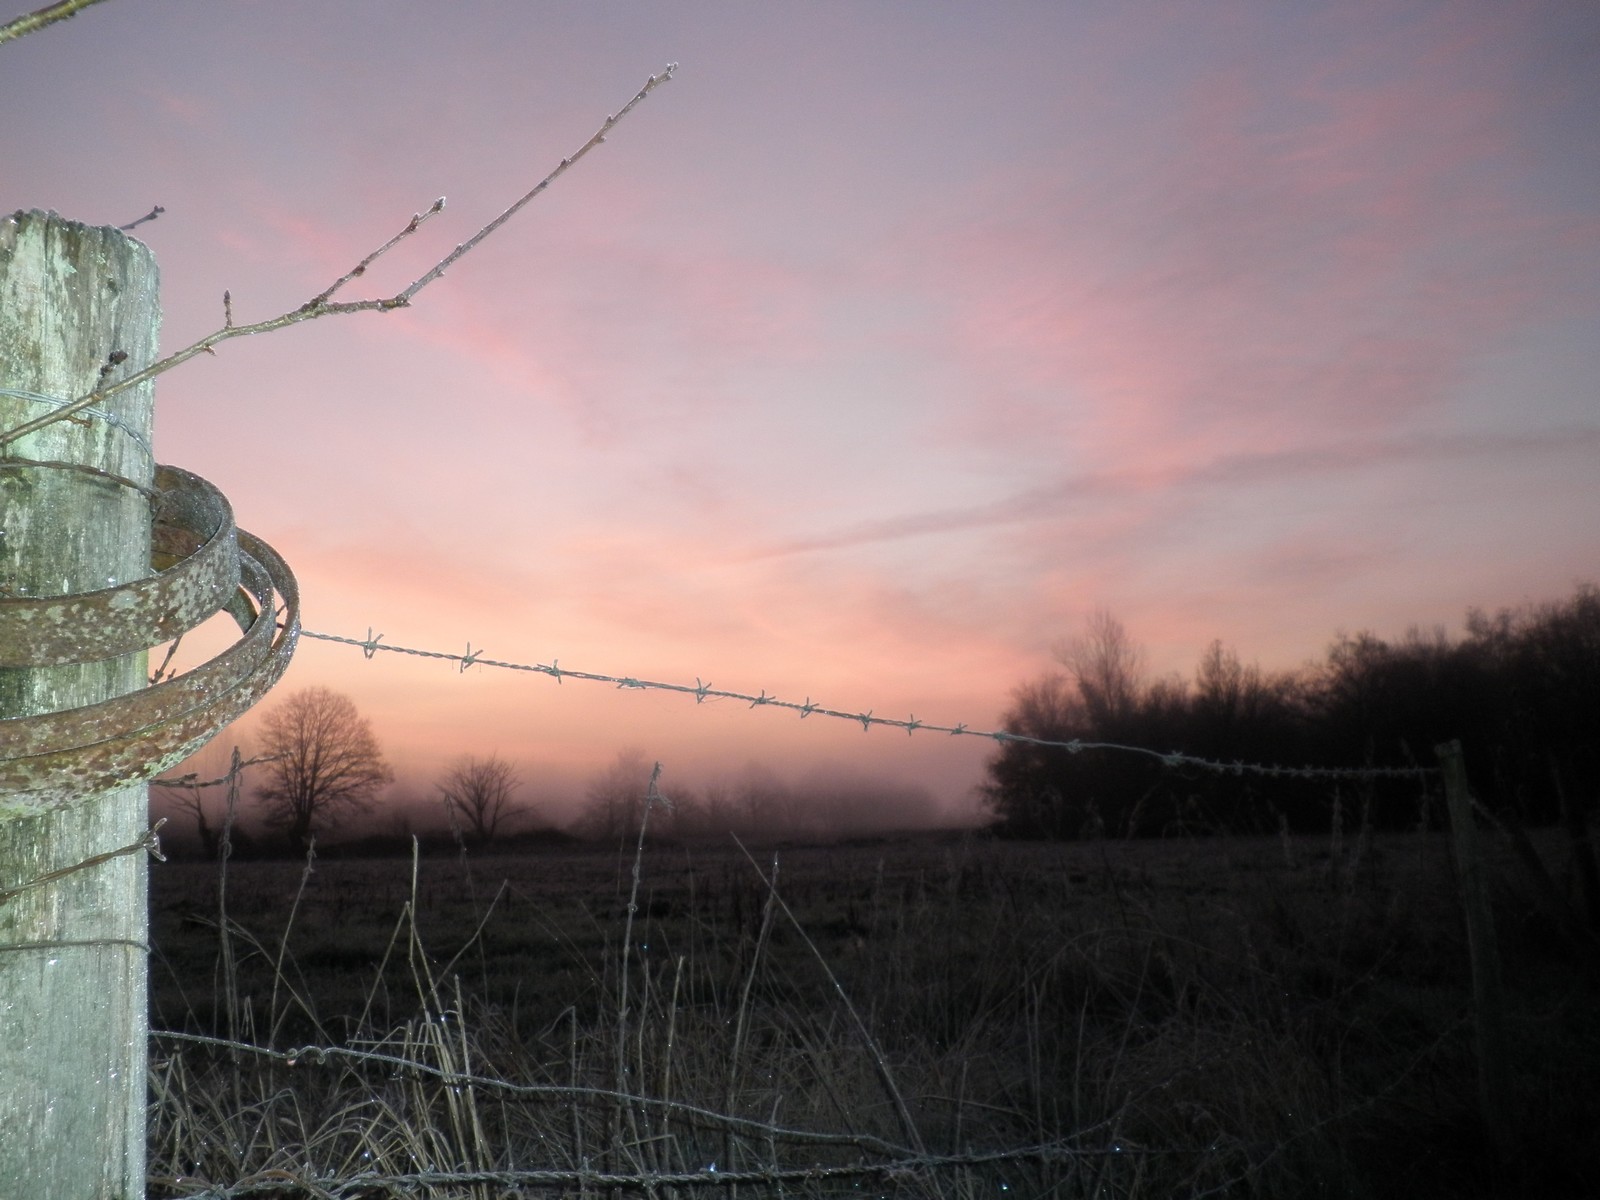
column 1520, row 690
column 756, row 803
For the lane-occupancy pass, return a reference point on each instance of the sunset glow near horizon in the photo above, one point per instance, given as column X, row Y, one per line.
column 867, row 357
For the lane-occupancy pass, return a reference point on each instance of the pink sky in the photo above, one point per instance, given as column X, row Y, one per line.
column 870, row 355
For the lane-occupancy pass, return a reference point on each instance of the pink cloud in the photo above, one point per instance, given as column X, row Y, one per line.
column 1102, row 496
column 1232, row 279
column 1165, row 365
column 637, row 332
column 186, row 108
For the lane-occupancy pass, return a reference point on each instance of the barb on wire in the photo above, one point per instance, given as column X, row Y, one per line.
column 701, row 691
column 322, row 304
column 190, row 781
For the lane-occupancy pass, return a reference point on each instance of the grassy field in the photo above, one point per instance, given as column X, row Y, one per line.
column 941, row 1016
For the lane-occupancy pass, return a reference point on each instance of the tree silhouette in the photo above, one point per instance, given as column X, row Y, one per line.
column 326, row 764
column 479, row 791
column 1032, row 789
column 1231, row 713
column 1521, row 692
column 616, row 797
column 1108, row 667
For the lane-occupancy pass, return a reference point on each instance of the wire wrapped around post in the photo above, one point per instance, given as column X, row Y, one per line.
column 205, row 566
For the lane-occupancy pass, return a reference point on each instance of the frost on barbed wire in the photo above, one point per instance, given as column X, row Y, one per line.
column 702, row 691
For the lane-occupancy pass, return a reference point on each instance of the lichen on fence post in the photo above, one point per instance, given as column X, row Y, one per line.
column 78, row 307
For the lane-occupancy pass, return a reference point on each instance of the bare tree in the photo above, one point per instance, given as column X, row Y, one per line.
column 1108, row 667
column 767, row 804
column 716, row 810
column 479, row 791
column 327, row 764
column 616, row 797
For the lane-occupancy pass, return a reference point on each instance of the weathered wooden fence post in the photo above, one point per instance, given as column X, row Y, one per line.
column 1494, row 1074
column 74, row 517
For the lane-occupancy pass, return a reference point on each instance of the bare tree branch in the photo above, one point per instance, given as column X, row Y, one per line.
column 1108, row 667
column 154, row 212
column 616, row 799
column 599, row 136
column 322, row 305
column 48, row 15
column 481, row 790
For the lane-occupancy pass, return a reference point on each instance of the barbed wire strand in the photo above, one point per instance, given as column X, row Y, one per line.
column 150, row 840
column 189, row 780
column 896, row 1161
column 321, row 1055
column 702, row 691
column 55, row 403
column 585, row 1178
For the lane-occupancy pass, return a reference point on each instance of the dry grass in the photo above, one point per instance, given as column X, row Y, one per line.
column 947, row 1018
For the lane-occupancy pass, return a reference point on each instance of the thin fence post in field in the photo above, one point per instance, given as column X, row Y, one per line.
column 1575, row 821
column 78, row 308
column 1494, row 1076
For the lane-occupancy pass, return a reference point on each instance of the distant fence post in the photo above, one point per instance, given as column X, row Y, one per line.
column 78, row 307
column 1494, row 1075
